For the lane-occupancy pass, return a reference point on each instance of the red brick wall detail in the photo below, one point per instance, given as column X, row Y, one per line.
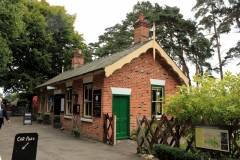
column 135, row 75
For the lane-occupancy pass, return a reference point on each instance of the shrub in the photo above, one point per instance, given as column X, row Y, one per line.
column 56, row 118
column 46, row 116
column 165, row 152
column 76, row 130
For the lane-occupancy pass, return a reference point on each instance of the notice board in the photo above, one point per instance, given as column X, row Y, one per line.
column 212, row 138
column 97, row 103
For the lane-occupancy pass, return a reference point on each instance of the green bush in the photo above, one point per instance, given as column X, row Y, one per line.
column 76, row 130
column 46, row 116
column 165, row 152
column 56, row 118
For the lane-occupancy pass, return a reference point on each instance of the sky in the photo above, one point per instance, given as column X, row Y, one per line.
column 94, row 16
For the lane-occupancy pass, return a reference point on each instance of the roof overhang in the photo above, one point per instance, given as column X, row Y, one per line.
column 151, row 44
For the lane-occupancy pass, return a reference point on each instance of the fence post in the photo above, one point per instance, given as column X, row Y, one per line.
column 177, row 135
column 114, row 129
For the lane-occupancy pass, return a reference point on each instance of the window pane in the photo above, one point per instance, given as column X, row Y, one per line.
column 90, row 109
column 70, row 94
column 154, row 95
column 157, row 108
column 69, row 107
column 86, row 93
column 90, row 94
column 86, row 108
column 157, row 100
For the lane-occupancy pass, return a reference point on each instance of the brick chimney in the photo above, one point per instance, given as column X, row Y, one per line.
column 141, row 30
column 77, row 59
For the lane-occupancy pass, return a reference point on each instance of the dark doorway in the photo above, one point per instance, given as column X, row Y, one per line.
column 57, row 103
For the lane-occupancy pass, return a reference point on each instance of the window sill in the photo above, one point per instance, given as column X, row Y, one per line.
column 86, row 120
column 158, row 117
column 47, row 113
column 39, row 111
column 68, row 117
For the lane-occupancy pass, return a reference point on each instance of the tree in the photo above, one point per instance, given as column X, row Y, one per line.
column 119, row 36
column 212, row 99
column 178, row 37
column 209, row 11
column 12, row 97
column 11, row 25
column 232, row 14
column 46, row 43
column 181, row 39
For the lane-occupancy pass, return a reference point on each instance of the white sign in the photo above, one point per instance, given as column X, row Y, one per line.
column 62, row 104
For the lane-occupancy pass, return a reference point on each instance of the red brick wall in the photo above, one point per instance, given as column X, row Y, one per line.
column 135, row 75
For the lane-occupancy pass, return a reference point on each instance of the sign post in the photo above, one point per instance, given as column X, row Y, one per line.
column 25, row 146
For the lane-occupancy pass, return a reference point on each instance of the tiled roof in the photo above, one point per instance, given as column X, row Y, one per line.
column 99, row 64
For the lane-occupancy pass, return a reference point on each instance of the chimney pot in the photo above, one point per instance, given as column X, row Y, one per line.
column 77, row 59
column 141, row 17
column 141, row 30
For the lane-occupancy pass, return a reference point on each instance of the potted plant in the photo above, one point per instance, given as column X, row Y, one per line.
column 39, row 120
column 46, row 118
column 76, row 132
column 56, row 121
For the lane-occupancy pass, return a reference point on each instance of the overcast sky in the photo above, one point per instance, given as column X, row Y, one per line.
column 94, row 16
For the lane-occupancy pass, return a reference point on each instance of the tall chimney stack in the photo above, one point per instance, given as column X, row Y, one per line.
column 141, row 30
column 77, row 59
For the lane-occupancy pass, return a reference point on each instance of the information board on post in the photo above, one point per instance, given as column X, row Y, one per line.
column 212, row 138
column 25, row 146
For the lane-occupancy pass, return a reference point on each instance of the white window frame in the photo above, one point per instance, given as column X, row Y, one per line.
column 68, row 106
column 49, row 101
column 87, row 100
column 157, row 100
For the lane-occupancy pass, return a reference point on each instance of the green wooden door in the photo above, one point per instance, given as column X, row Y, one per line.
column 121, row 110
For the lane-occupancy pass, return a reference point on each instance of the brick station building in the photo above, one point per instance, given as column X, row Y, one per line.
column 129, row 83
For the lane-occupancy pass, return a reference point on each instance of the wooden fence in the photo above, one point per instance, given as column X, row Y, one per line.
column 173, row 132
column 108, row 135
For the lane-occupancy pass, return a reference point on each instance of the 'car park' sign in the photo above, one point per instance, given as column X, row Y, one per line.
column 25, row 146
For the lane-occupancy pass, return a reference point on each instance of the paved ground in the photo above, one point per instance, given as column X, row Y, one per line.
column 54, row 144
